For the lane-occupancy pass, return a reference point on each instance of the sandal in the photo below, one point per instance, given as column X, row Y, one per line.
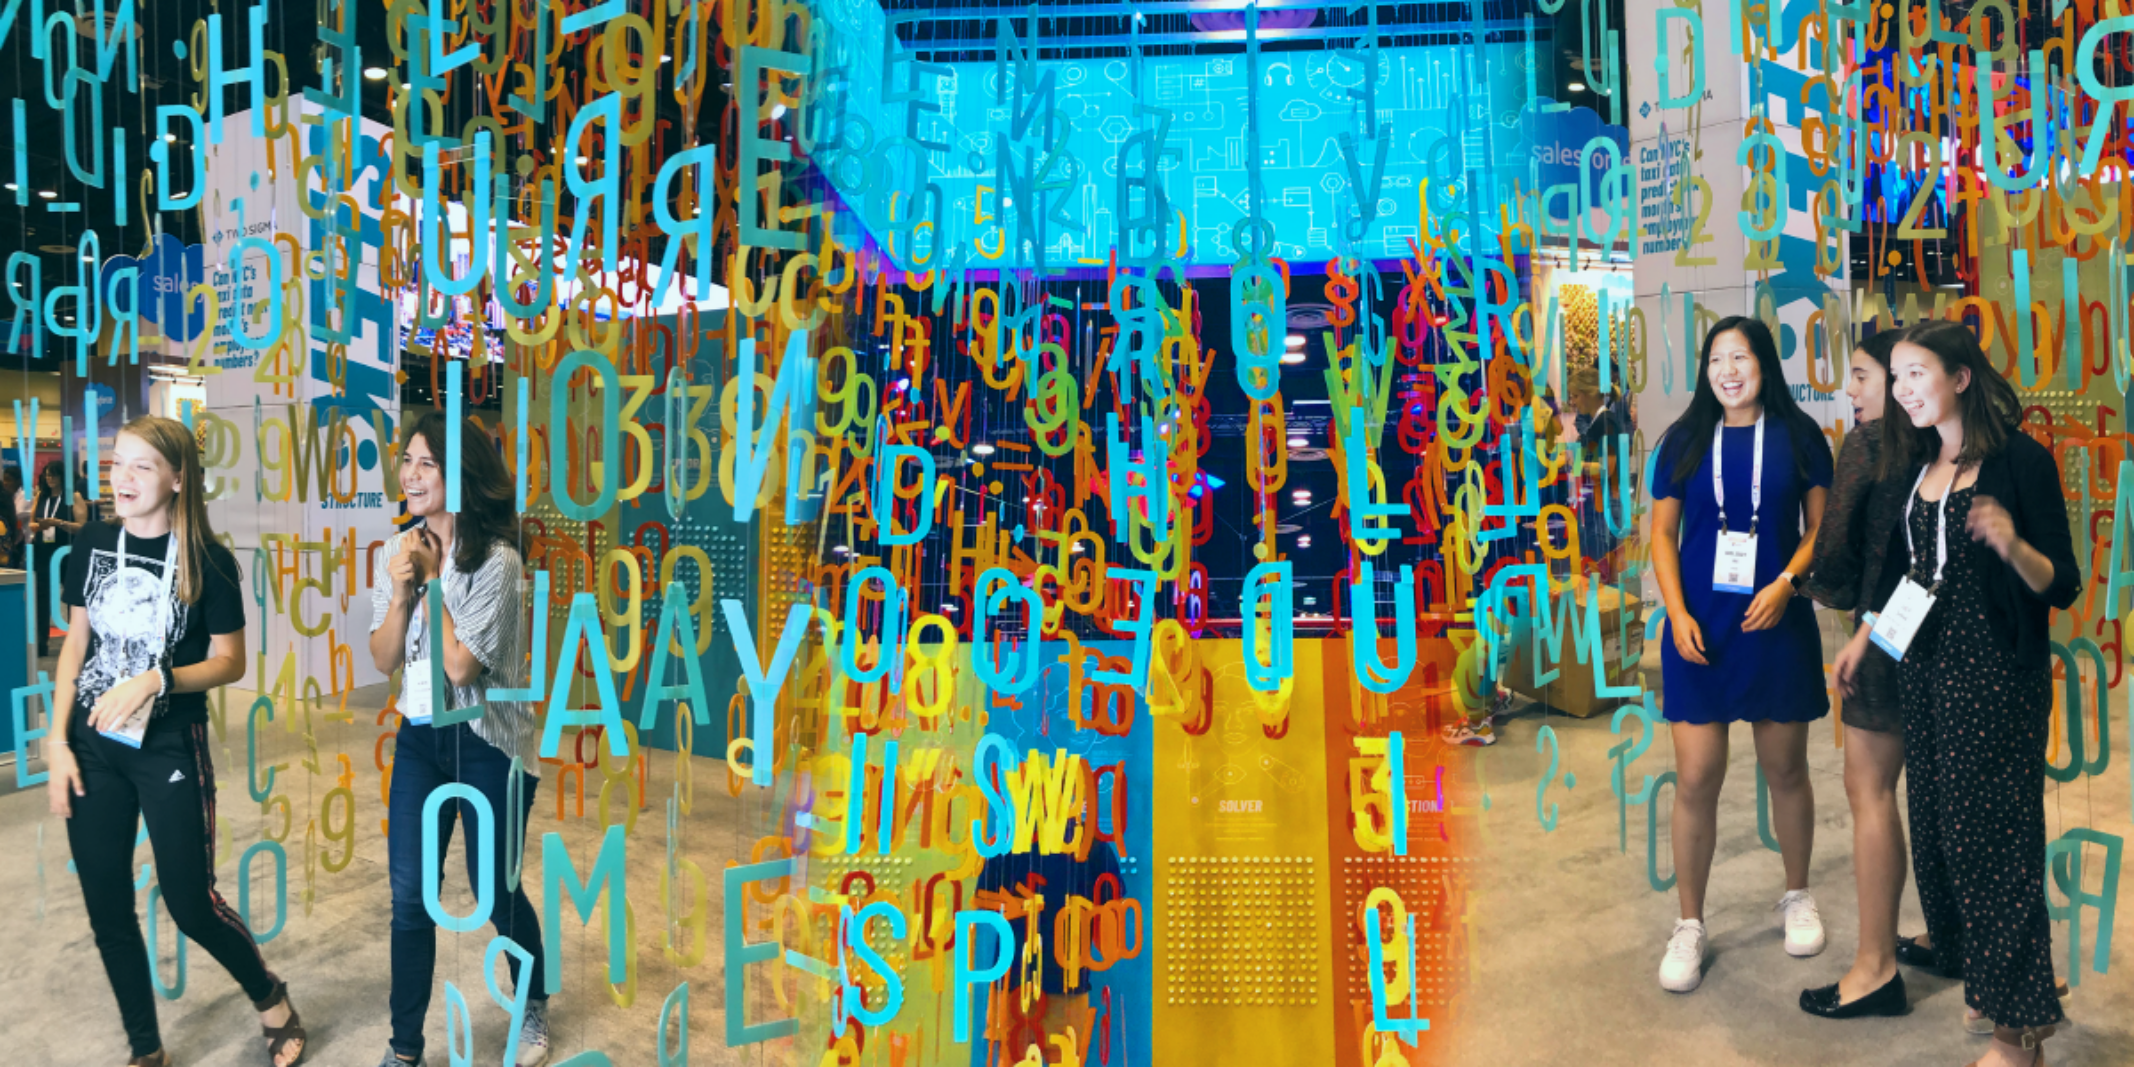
column 2031, row 1039
column 280, row 1037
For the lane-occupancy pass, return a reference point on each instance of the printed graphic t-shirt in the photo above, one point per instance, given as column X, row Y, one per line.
column 123, row 640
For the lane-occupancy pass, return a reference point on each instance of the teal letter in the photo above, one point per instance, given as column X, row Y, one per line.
column 740, row 952
column 967, row 922
column 560, row 877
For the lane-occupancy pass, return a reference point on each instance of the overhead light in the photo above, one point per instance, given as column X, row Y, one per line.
column 1576, row 87
column 666, row 59
column 777, row 111
column 981, row 449
column 1298, row 442
column 170, row 138
column 840, row 550
column 11, row 187
column 1304, row 541
column 376, row 74
column 951, row 607
column 48, row 194
column 1293, row 357
column 582, row 161
column 1295, row 340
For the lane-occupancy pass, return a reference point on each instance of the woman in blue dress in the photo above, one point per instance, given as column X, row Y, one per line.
column 1742, row 643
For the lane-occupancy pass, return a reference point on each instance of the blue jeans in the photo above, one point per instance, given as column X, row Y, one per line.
column 424, row 759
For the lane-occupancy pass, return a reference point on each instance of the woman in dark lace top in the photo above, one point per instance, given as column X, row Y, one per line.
column 1864, row 509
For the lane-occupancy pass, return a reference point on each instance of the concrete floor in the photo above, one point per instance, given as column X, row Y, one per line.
column 1570, row 933
column 336, row 958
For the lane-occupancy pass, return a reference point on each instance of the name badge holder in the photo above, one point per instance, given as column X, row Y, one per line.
column 1734, row 564
column 1907, row 609
column 416, row 696
column 135, row 729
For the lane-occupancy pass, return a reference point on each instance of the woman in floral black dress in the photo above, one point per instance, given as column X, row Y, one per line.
column 1983, row 556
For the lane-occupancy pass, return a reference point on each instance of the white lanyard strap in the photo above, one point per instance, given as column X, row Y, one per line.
column 1941, row 537
column 1756, row 474
column 170, row 570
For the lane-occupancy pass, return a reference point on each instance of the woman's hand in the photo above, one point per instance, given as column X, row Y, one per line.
column 1689, row 638
column 63, row 779
column 123, row 701
column 1845, row 668
column 1991, row 523
column 406, row 568
column 1768, row 607
column 426, row 552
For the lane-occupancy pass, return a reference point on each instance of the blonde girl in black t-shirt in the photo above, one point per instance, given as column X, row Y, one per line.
column 156, row 620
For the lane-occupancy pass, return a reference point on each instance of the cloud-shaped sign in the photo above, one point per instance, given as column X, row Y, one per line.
column 1560, row 137
column 170, row 269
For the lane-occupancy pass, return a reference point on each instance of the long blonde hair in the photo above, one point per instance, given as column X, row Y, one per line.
column 189, row 508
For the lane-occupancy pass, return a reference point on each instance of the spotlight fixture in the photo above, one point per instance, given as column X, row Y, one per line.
column 375, row 74
column 1576, row 87
column 48, row 194
column 981, row 449
column 1293, row 357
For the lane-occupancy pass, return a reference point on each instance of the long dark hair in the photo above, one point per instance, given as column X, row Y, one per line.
column 1878, row 346
column 488, row 501
column 1690, row 437
column 1988, row 405
column 52, row 480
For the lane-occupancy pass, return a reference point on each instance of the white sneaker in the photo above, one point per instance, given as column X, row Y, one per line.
column 1682, row 969
column 533, row 1035
column 1804, row 923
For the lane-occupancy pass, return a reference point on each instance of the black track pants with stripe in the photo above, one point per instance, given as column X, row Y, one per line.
column 170, row 782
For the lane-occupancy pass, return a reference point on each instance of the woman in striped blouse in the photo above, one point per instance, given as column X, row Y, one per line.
column 480, row 645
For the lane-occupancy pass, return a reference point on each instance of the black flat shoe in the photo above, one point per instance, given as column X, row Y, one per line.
column 1888, row 1000
column 1912, row 954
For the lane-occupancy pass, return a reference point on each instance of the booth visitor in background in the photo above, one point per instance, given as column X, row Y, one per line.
column 54, row 521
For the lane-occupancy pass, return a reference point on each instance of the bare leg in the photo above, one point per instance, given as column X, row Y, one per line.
column 1700, row 771
column 1873, row 761
column 1782, row 752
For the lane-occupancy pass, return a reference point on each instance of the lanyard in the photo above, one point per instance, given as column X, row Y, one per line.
column 1941, row 538
column 1756, row 476
column 170, row 569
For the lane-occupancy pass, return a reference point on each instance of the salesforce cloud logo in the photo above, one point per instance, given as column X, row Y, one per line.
column 1559, row 137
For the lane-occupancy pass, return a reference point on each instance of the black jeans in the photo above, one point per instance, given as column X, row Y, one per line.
column 170, row 783
column 425, row 758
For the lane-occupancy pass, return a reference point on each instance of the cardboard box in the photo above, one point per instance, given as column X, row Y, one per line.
column 1572, row 691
